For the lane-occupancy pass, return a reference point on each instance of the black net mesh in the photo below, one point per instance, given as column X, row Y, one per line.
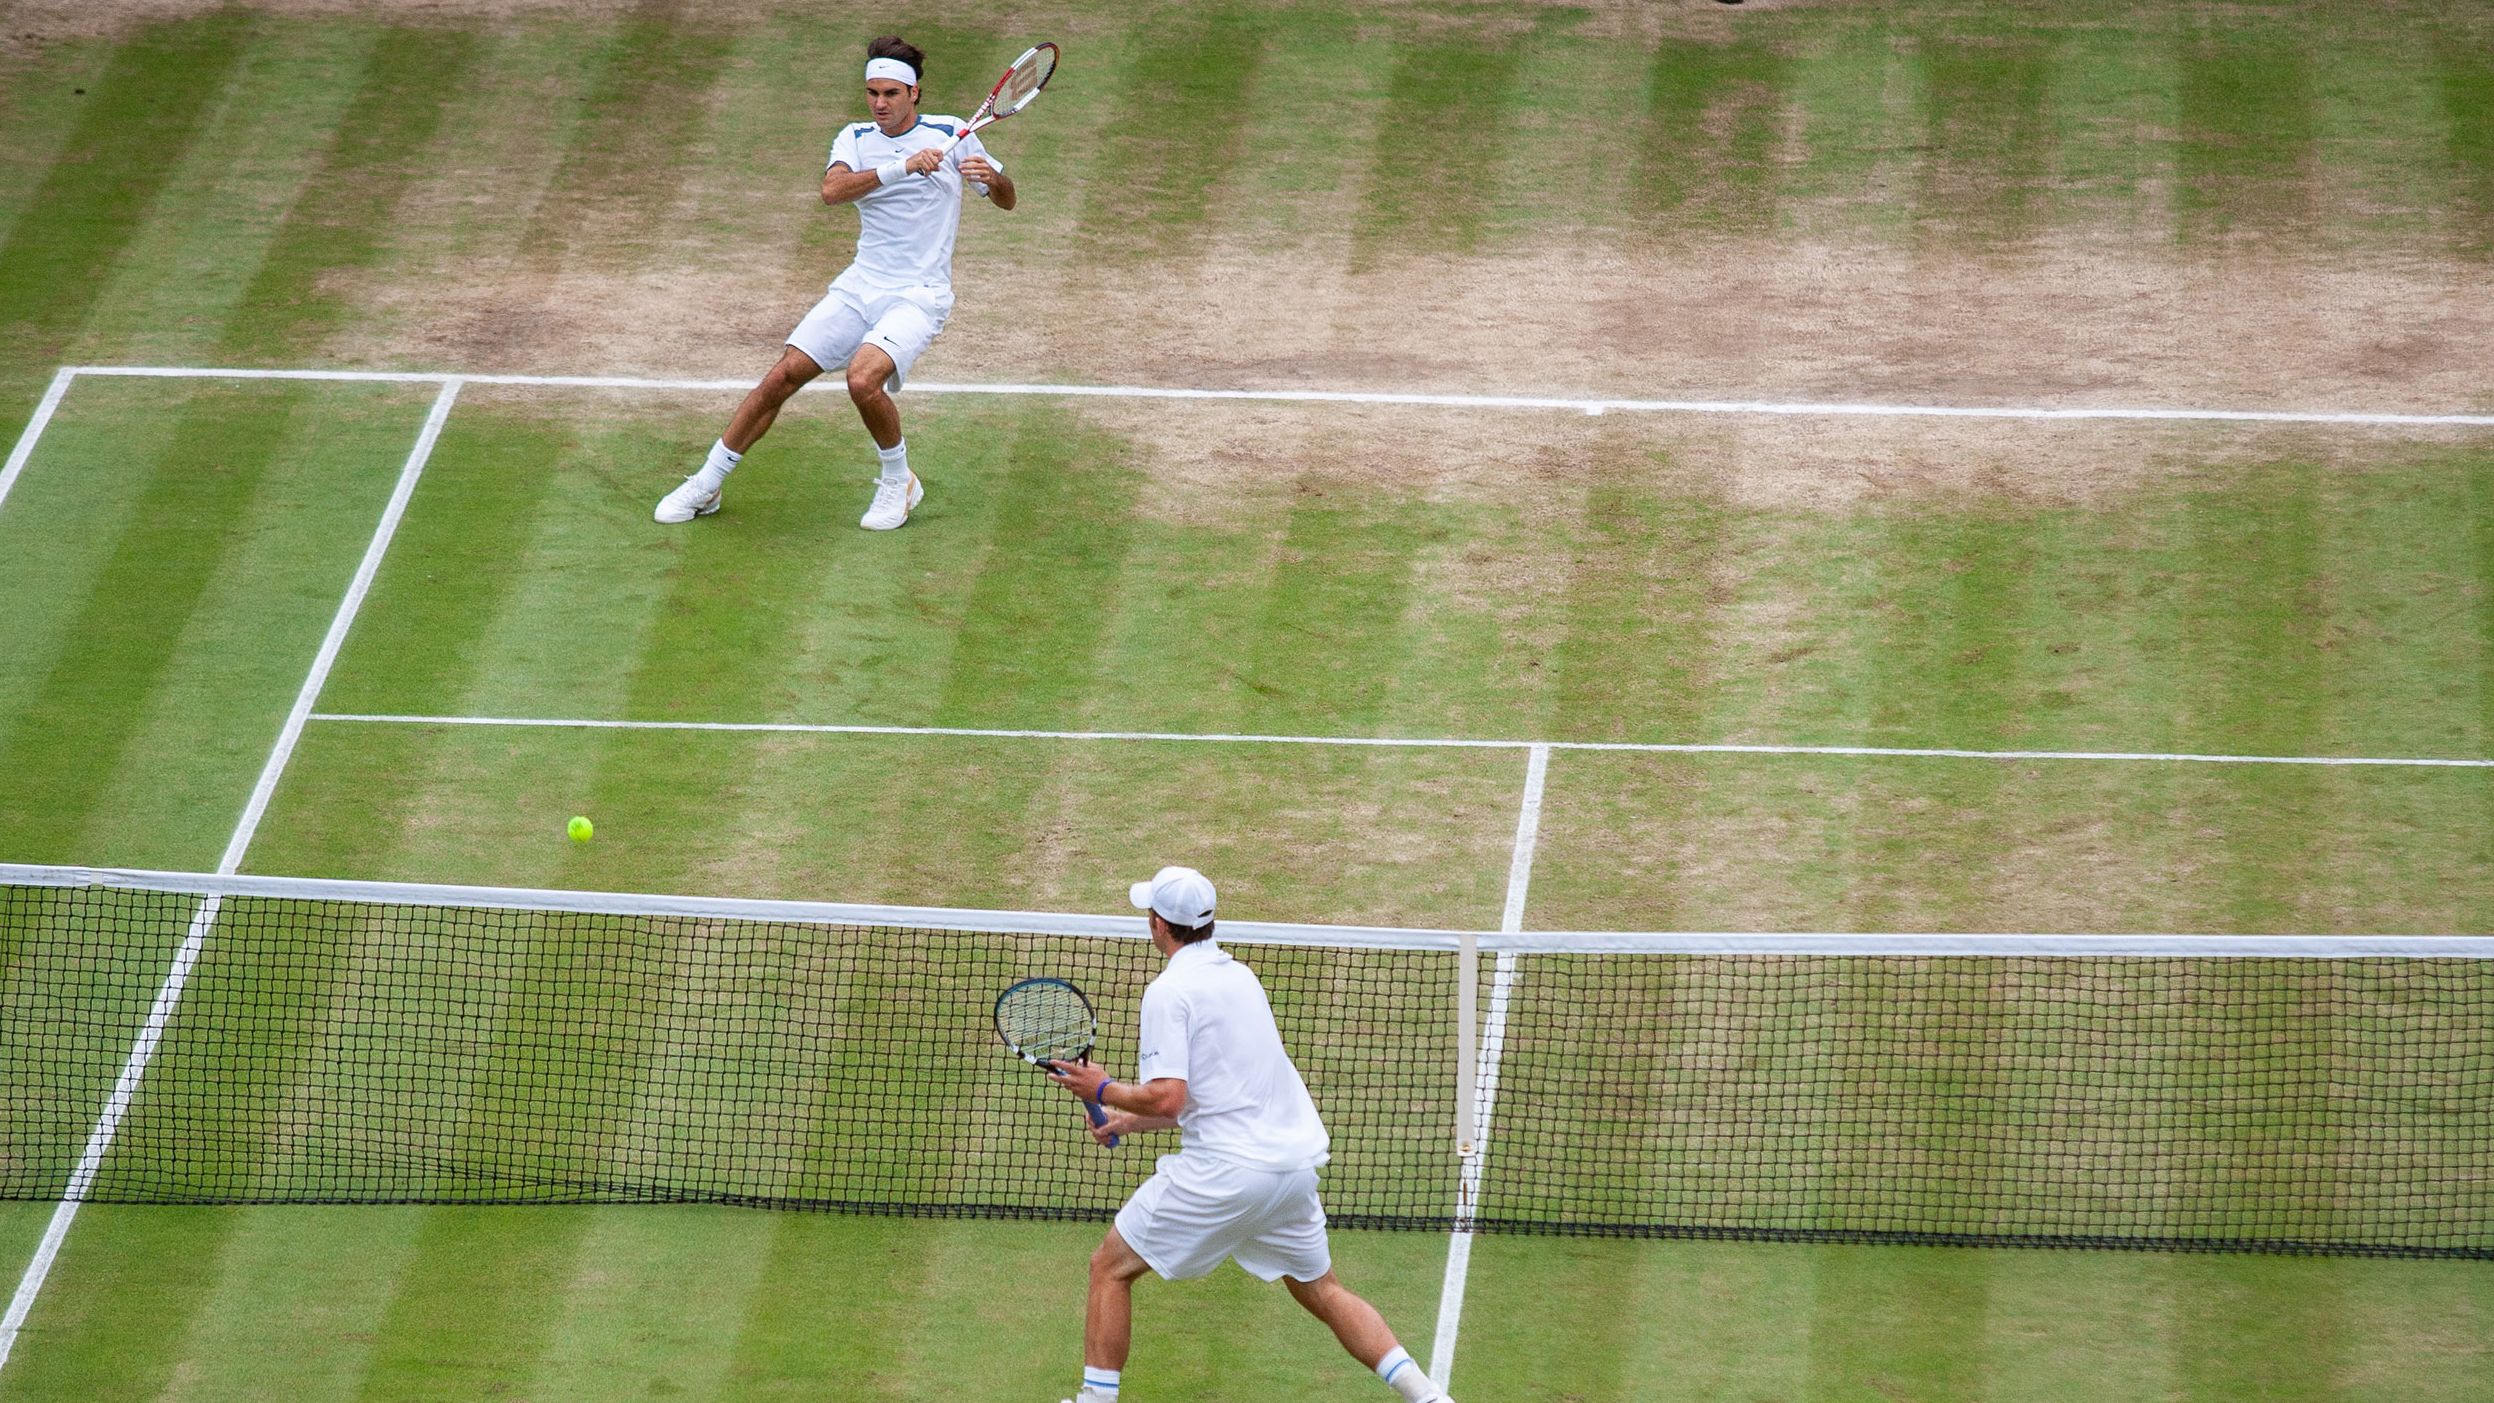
column 332, row 1051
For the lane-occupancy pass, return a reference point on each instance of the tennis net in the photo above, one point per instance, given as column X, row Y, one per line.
column 171, row 1038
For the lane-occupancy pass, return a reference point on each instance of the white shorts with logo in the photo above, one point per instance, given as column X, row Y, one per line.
column 902, row 321
column 1194, row 1212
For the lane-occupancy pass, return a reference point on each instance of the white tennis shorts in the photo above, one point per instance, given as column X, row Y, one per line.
column 903, row 321
column 1193, row 1212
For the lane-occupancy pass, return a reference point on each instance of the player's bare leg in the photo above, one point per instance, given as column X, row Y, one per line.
column 1363, row 1332
column 869, row 369
column 699, row 495
column 760, row 410
column 1108, row 1317
column 897, row 489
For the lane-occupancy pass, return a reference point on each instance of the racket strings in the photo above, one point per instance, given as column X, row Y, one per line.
column 1046, row 1020
column 1026, row 80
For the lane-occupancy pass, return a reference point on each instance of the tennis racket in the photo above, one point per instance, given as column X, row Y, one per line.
column 1012, row 93
column 1047, row 1021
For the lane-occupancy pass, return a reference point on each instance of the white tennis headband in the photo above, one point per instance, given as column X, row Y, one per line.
column 892, row 68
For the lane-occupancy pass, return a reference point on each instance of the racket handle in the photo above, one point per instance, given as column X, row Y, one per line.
column 1100, row 1117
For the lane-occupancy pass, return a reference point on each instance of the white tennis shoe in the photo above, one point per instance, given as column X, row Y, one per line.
column 893, row 502
column 693, row 497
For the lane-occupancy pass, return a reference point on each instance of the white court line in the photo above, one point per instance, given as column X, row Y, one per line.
column 1485, row 1077
column 169, row 994
column 34, row 428
column 1401, row 742
column 1581, row 405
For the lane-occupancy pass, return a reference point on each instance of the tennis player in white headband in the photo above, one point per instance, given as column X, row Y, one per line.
column 884, row 309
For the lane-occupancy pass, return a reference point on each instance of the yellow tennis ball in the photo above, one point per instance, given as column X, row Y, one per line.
column 581, row 829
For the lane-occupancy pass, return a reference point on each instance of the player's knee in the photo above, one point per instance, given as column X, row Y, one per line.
column 1114, row 1260
column 1313, row 1294
column 865, row 381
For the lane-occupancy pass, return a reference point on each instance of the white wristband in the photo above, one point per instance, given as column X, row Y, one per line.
column 892, row 172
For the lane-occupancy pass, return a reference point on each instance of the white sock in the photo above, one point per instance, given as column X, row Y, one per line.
column 1098, row 1385
column 1398, row 1370
column 721, row 462
column 895, row 461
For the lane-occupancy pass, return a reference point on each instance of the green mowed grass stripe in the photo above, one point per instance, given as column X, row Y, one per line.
column 1172, row 135
column 1318, row 97
column 1329, row 641
column 1844, row 87
column 796, row 1342
column 138, row 122
column 2109, row 86
column 1984, row 115
column 628, row 150
column 475, row 1305
column 658, row 1303
column 1448, row 96
column 338, row 223
column 116, row 1312
column 2415, row 1330
column 2246, row 1332
column 2073, row 1327
column 175, row 661
column 292, row 1307
column 1946, row 661
column 2379, row 126
column 1798, row 843
column 1693, row 1320
column 778, row 606
column 2244, row 158
column 1713, row 132
column 488, row 170
column 1642, row 652
column 41, row 108
column 2467, row 93
column 1890, row 1327
column 1029, row 644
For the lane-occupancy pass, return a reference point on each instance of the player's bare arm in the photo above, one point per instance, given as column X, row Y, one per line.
column 1133, row 1107
column 999, row 185
column 842, row 185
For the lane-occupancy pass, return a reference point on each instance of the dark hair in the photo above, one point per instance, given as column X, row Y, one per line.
column 894, row 46
column 1186, row 935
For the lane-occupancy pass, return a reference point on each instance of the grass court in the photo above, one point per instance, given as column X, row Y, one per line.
column 2275, row 207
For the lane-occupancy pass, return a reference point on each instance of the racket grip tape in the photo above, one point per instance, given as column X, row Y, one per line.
column 1100, row 1117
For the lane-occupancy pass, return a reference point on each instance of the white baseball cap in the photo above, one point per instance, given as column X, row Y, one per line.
column 1181, row 896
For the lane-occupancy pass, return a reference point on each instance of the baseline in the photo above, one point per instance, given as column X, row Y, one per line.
column 1578, row 404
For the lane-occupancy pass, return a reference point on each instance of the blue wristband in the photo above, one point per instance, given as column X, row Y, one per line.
column 1101, row 1092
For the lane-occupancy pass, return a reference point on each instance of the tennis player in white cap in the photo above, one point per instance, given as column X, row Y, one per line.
column 1243, row 1183
column 888, row 305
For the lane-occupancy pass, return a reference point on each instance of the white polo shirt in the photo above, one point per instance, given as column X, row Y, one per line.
column 1206, row 1020
column 905, row 230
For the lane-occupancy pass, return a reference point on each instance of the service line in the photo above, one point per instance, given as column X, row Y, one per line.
column 1404, row 742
